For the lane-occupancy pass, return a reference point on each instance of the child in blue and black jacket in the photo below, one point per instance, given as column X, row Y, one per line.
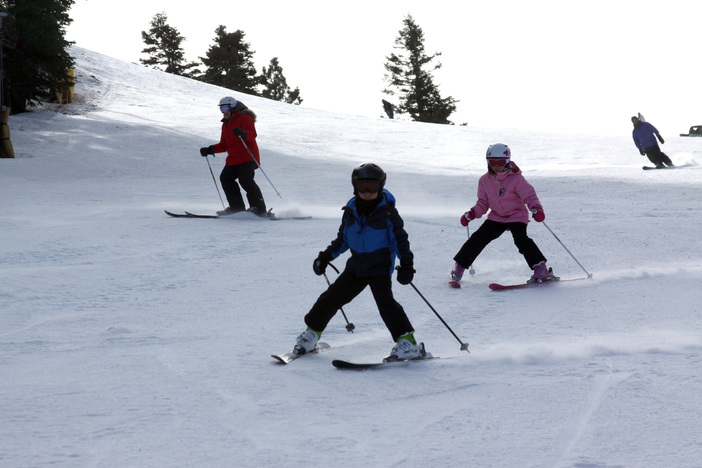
column 372, row 229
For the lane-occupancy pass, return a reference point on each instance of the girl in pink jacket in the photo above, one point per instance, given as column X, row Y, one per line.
column 504, row 192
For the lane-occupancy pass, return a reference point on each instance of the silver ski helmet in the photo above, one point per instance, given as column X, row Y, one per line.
column 227, row 103
column 498, row 151
column 368, row 172
column 498, row 156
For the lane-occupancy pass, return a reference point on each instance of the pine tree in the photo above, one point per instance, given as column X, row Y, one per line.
column 275, row 86
column 229, row 62
column 36, row 59
column 410, row 77
column 164, row 48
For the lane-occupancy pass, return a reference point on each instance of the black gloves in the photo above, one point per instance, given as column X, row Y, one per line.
column 643, row 153
column 660, row 138
column 207, row 150
column 405, row 273
column 320, row 263
column 238, row 132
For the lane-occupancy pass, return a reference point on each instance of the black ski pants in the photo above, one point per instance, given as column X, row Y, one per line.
column 491, row 230
column 245, row 174
column 346, row 287
column 656, row 156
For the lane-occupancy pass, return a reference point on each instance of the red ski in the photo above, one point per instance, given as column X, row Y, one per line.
column 503, row 287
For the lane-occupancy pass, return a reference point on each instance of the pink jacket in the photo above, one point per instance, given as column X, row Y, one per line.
column 505, row 195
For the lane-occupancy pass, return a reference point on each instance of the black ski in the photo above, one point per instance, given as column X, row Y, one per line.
column 339, row 364
column 648, row 168
column 177, row 215
column 287, row 358
column 270, row 216
column 193, row 215
column 284, row 218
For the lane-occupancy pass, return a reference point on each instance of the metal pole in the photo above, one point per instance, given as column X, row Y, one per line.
column 464, row 346
column 349, row 326
column 259, row 166
column 215, row 182
column 589, row 275
column 470, row 270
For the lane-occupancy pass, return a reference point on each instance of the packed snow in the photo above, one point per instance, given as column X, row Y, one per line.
column 130, row 338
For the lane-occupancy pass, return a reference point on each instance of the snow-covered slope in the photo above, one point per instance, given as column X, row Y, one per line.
column 132, row 339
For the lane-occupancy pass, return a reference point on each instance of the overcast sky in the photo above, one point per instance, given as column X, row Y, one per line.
column 542, row 64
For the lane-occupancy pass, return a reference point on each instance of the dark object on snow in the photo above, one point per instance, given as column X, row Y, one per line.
column 389, row 109
column 695, row 131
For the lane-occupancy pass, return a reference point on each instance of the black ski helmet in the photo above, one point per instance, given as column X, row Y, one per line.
column 368, row 171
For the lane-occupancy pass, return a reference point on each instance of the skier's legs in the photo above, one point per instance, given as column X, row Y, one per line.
column 488, row 232
column 253, row 192
column 342, row 291
column 231, row 188
column 655, row 155
column 390, row 310
column 666, row 160
column 527, row 247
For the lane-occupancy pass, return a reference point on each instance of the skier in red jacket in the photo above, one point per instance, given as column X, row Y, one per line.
column 237, row 125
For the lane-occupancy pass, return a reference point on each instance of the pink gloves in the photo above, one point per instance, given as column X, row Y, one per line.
column 538, row 214
column 467, row 217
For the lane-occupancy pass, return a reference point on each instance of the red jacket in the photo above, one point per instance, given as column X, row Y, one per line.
column 236, row 153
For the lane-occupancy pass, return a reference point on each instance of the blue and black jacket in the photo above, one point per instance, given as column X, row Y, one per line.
column 375, row 240
column 643, row 135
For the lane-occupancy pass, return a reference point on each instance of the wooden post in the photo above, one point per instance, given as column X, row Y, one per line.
column 6, row 150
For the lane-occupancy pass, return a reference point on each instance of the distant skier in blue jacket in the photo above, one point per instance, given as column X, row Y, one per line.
column 372, row 229
column 644, row 135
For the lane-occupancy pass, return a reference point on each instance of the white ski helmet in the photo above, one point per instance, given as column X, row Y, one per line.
column 498, row 151
column 228, row 100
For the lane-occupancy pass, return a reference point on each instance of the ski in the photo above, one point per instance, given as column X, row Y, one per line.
column 284, row 218
column 188, row 215
column 287, row 358
column 454, row 284
column 340, row 364
column 177, row 215
column 193, row 215
column 648, row 168
column 505, row 287
column 271, row 216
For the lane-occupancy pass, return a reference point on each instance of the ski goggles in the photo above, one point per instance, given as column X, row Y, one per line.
column 224, row 108
column 498, row 163
column 367, row 186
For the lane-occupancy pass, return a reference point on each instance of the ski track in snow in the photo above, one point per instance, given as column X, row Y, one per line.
column 602, row 381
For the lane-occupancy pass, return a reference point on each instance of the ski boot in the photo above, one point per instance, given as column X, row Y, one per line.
column 406, row 348
column 306, row 342
column 229, row 211
column 542, row 273
column 457, row 272
column 261, row 213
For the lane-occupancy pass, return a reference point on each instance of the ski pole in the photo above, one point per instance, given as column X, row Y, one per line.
column 215, row 182
column 259, row 166
column 349, row 326
column 589, row 275
column 464, row 346
column 470, row 270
